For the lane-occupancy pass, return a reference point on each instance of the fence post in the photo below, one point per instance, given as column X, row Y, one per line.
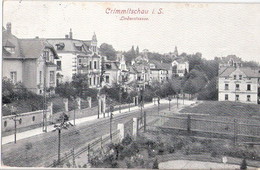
column 121, row 129
column 188, row 123
column 235, row 132
column 144, row 121
column 135, row 127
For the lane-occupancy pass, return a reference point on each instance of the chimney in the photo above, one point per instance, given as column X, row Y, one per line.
column 9, row 27
column 37, row 37
column 67, row 36
column 70, row 34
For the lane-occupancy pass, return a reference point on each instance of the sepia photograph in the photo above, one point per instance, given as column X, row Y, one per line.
column 136, row 85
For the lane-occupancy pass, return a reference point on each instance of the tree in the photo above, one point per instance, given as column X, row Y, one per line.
column 243, row 164
column 137, row 50
column 108, row 50
column 80, row 83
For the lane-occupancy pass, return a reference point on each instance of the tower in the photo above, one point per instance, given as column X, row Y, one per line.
column 175, row 52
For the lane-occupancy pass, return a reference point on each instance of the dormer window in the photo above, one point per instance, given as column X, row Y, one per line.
column 10, row 49
column 78, row 46
column 60, row 46
column 46, row 55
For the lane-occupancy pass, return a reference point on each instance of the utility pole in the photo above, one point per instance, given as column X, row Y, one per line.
column 177, row 100
column 59, row 132
column 169, row 98
column 111, row 117
column 158, row 104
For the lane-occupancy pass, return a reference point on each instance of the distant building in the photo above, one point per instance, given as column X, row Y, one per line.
column 29, row 61
column 230, row 61
column 179, row 67
column 238, row 84
column 159, row 71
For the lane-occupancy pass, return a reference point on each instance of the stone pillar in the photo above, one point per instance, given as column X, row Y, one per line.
column 135, row 128
column 99, row 105
column 66, row 104
column 137, row 101
column 79, row 102
column 50, row 111
column 89, row 101
column 134, row 101
column 103, row 104
column 121, row 129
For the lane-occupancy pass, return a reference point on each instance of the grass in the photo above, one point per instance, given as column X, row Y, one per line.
column 217, row 108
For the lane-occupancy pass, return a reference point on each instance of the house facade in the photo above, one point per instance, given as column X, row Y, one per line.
column 29, row 61
column 78, row 56
column 160, row 72
column 239, row 84
column 180, row 67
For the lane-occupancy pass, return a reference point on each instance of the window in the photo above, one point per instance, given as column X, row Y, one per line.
column 95, row 65
column 90, row 65
column 90, row 81
column 10, row 49
column 46, row 55
column 248, row 98
column 237, row 97
column 58, row 65
column 33, row 118
column 235, row 77
column 5, row 123
column 14, row 77
column 226, row 96
column 98, row 81
column 94, row 81
column 226, row 86
column 107, row 79
column 237, row 86
column 40, row 77
column 249, row 87
column 79, row 61
column 240, row 77
column 51, row 76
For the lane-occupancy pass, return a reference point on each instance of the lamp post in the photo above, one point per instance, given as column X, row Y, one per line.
column 62, row 125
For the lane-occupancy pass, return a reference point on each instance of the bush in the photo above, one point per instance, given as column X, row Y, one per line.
column 243, row 164
column 155, row 164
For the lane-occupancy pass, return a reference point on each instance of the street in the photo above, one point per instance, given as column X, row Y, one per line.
column 44, row 146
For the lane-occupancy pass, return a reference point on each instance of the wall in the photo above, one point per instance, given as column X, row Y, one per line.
column 12, row 65
column 67, row 60
column 29, row 74
column 27, row 120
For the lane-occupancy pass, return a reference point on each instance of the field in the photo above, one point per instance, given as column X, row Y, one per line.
column 234, row 109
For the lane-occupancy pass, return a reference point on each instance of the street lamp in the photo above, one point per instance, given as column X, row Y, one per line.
column 62, row 125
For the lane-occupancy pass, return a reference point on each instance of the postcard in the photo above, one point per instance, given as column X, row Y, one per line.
column 144, row 85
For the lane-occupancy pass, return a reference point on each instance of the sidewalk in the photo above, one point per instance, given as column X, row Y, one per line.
column 38, row 131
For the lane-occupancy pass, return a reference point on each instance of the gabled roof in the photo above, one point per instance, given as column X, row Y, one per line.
column 249, row 72
column 10, row 40
column 160, row 66
column 33, row 48
column 180, row 60
column 70, row 45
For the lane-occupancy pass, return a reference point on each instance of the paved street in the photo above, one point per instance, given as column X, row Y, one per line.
column 44, row 145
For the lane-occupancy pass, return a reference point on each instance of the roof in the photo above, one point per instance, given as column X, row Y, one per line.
column 161, row 66
column 248, row 71
column 230, row 57
column 180, row 60
column 32, row 48
column 70, row 45
column 10, row 40
column 113, row 64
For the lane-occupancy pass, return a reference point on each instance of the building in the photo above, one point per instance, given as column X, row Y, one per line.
column 159, row 71
column 29, row 61
column 230, row 61
column 78, row 56
column 238, row 84
column 179, row 67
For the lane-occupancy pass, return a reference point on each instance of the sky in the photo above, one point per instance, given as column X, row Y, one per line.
column 214, row 29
